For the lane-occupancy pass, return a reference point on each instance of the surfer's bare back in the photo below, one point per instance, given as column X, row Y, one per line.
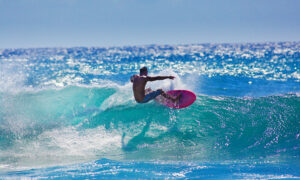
column 139, row 84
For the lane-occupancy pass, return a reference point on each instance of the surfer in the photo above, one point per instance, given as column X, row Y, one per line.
column 139, row 84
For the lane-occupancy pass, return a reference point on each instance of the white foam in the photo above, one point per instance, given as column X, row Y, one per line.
column 12, row 77
column 264, row 176
column 123, row 96
column 168, row 84
column 64, row 146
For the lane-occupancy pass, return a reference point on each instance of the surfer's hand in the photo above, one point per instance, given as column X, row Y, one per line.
column 171, row 77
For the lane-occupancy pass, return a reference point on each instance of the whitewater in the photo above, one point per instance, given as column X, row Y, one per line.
column 70, row 112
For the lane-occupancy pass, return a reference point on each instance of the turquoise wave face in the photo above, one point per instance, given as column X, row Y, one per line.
column 80, row 123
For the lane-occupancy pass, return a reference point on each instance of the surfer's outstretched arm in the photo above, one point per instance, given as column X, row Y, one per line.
column 155, row 78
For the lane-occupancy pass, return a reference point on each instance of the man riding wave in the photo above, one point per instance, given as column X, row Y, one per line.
column 139, row 84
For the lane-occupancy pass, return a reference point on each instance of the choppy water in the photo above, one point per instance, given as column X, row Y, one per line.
column 70, row 112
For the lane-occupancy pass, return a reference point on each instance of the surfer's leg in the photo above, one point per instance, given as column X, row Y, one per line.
column 174, row 99
column 178, row 97
column 151, row 95
column 148, row 90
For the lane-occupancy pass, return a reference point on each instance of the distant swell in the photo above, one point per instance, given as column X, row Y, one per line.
column 80, row 123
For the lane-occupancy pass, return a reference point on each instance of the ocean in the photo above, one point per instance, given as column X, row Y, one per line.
column 69, row 113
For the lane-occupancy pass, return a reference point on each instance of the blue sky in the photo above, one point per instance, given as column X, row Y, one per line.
column 68, row 23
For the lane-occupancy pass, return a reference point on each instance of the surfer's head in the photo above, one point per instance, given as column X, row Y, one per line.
column 143, row 71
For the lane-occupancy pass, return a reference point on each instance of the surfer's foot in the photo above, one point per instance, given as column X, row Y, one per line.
column 176, row 100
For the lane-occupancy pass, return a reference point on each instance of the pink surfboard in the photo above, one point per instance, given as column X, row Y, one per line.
column 186, row 99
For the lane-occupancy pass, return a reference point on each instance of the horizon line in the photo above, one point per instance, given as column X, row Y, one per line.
column 148, row 44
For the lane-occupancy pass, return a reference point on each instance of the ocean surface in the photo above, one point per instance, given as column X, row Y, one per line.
column 70, row 113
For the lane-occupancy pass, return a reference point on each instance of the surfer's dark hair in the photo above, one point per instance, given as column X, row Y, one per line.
column 143, row 69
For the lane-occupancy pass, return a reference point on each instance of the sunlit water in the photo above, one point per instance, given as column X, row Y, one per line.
column 70, row 112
